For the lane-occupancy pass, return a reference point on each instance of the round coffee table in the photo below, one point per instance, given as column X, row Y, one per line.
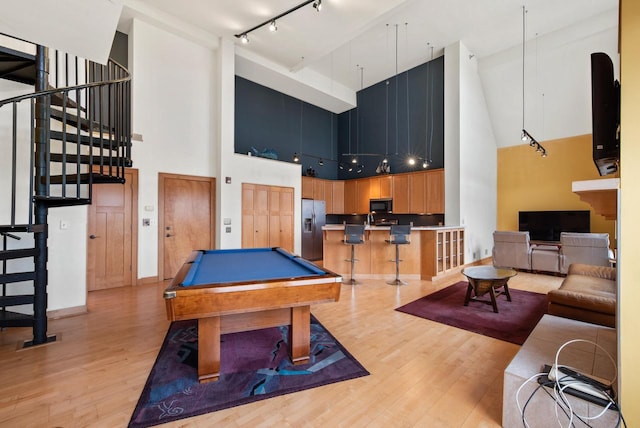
column 483, row 279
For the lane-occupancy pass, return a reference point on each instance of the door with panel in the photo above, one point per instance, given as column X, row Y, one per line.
column 112, row 241
column 186, row 216
column 255, row 216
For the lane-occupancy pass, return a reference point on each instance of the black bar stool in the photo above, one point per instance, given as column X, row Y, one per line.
column 398, row 235
column 353, row 235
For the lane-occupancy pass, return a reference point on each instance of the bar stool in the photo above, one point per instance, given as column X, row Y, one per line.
column 398, row 235
column 353, row 235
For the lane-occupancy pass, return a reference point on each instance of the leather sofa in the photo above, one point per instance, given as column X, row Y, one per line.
column 512, row 249
column 588, row 293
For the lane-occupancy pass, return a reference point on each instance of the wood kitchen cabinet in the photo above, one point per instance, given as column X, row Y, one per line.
column 307, row 187
column 435, row 191
column 337, row 189
column 350, row 197
column 362, row 195
column 400, row 189
column 442, row 251
column 417, row 192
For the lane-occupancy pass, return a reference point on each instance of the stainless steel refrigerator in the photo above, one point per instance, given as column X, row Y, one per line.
column 313, row 218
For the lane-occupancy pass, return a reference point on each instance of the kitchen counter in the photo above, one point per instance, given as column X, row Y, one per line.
column 373, row 227
column 433, row 251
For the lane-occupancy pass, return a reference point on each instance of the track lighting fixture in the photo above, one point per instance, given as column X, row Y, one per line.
column 296, row 159
column 411, row 160
column 354, row 160
column 385, row 160
column 534, row 144
column 341, row 165
column 321, row 162
column 425, row 164
column 271, row 22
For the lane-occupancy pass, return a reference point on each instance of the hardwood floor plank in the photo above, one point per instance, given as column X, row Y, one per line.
column 422, row 373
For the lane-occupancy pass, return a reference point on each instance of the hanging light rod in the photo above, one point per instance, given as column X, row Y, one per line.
column 271, row 22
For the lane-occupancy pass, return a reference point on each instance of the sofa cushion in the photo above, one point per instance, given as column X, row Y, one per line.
column 586, row 292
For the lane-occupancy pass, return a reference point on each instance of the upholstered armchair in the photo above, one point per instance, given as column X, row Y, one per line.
column 511, row 249
column 584, row 248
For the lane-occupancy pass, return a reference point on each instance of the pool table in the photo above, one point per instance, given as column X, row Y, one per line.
column 236, row 290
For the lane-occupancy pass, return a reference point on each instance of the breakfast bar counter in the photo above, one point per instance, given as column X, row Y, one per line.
column 433, row 251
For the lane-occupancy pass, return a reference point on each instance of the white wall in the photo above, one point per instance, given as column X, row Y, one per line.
column 470, row 154
column 241, row 168
column 557, row 81
column 173, row 96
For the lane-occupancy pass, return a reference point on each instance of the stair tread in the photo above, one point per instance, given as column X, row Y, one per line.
column 72, row 120
column 17, row 66
column 54, row 201
column 17, row 253
column 84, row 178
column 17, row 228
column 17, row 277
column 17, row 300
column 85, row 140
column 15, row 319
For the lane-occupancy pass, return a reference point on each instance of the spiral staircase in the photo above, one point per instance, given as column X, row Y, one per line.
column 72, row 132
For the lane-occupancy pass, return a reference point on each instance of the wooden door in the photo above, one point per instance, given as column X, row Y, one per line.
column 186, row 216
column 286, row 219
column 112, row 234
column 255, row 216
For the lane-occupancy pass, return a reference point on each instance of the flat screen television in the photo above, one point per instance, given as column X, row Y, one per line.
column 605, row 114
column 547, row 225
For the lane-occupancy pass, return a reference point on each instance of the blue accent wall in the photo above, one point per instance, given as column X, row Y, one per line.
column 270, row 120
column 399, row 117
column 402, row 116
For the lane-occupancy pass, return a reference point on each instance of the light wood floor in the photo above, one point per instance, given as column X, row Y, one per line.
column 422, row 373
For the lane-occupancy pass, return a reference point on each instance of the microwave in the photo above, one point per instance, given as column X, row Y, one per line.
column 381, row 205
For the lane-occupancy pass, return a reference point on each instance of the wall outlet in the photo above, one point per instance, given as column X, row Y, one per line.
column 228, row 229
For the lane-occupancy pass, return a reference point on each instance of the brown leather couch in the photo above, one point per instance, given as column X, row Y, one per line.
column 588, row 293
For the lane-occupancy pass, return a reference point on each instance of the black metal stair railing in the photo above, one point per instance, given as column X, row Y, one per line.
column 62, row 141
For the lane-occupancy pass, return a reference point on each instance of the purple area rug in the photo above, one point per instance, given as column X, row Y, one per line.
column 513, row 323
column 255, row 365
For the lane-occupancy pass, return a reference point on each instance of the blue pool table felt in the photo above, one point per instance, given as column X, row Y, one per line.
column 248, row 264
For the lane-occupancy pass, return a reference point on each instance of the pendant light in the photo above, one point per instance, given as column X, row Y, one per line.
column 526, row 136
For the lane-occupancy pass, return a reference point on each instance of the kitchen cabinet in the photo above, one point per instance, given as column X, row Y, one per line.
column 400, row 189
column 350, row 197
column 267, row 216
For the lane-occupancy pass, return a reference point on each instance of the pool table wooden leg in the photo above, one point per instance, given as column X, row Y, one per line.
column 208, row 349
column 300, row 334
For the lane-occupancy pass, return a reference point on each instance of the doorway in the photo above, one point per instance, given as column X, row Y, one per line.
column 186, row 219
column 112, row 241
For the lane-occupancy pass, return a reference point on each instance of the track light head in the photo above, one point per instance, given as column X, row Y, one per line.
column 272, row 26
column 321, row 162
column 317, row 5
column 340, row 165
column 385, row 160
column 354, row 160
column 425, row 164
column 244, row 38
column 411, row 160
column 524, row 136
column 296, row 159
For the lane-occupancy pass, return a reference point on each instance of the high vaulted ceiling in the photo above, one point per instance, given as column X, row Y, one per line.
column 354, row 43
